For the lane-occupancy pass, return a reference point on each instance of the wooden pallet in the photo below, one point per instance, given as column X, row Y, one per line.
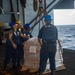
column 24, row 68
column 58, row 69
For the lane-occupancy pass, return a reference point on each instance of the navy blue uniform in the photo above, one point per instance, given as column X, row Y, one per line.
column 22, row 40
column 27, row 34
column 49, row 35
column 10, row 51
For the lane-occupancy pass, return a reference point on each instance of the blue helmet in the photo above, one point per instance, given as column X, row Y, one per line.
column 12, row 24
column 27, row 25
column 47, row 18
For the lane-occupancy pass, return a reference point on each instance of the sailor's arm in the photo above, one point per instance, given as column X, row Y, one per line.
column 40, row 36
column 40, row 41
column 24, row 36
column 10, row 38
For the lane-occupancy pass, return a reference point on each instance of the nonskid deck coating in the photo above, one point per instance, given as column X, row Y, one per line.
column 69, row 62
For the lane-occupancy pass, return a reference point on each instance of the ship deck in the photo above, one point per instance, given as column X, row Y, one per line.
column 68, row 57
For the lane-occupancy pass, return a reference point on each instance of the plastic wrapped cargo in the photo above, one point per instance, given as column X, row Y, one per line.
column 32, row 55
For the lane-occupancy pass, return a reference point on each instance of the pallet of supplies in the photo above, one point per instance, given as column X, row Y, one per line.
column 32, row 55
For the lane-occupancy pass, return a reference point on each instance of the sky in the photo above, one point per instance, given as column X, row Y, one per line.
column 64, row 16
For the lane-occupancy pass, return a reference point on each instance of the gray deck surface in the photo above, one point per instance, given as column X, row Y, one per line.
column 69, row 62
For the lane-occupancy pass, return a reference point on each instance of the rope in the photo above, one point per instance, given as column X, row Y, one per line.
column 42, row 21
column 35, row 21
column 35, row 4
column 40, row 12
column 60, row 51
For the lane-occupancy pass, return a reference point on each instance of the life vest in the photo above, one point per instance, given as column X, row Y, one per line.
column 35, row 5
column 15, row 38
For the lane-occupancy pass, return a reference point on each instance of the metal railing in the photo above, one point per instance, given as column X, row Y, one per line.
column 48, row 7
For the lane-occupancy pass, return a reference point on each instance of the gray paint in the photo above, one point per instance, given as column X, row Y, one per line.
column 14, row 4
column 20, row 11
column 5, row 18
column 6, row 5
column 66, row 4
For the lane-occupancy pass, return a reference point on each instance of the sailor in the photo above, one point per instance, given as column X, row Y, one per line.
column 19, row 47
column 25, row 32
column 12, row 45
column 49, row 34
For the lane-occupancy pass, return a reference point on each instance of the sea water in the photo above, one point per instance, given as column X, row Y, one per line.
column 66, row 34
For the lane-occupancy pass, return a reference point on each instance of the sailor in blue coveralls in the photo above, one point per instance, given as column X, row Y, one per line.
column 12, row 45
column 25, row 32
column 49, row 34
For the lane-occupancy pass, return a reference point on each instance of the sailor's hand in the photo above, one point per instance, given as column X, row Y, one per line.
column 28, row 37
column 25, row 46
column 41, row 43
column 15, row 46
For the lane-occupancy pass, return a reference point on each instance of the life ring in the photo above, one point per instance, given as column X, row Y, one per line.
column 35, row 5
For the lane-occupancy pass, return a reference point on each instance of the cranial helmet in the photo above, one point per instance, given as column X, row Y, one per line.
column 47, row 18
column 27, row 26
column 12, row 24
column 18, row 21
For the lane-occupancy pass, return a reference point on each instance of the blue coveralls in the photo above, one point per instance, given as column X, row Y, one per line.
column 10, row 51
column 49, row 35
column 22, row 40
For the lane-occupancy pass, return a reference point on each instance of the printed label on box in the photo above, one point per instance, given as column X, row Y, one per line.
column 32, row 49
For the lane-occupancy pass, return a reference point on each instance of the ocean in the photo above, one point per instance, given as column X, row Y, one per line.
column 66, row 34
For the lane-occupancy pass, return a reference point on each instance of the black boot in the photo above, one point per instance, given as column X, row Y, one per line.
column 19, row 66
column 41, row 73
column 52, row 72
column 5, row 67
column 14, row 67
